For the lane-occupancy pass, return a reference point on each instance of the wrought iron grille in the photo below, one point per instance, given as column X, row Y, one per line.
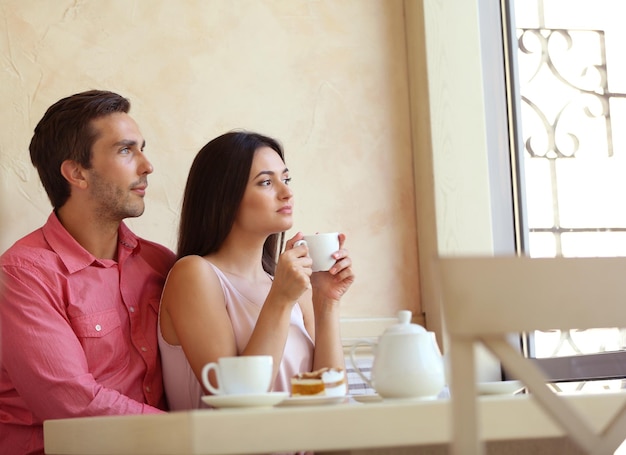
column 568, row 117
column 565, row 95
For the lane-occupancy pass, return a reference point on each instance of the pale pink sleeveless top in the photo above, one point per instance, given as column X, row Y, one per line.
column 182, row 389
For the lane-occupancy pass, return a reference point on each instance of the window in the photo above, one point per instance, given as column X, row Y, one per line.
column 571, row 115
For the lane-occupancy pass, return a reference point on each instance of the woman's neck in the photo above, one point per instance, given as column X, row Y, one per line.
column 241, row 260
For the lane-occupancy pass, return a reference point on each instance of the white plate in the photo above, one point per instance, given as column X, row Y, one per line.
column 499, row 387
column 245, row 401
column 312, row 400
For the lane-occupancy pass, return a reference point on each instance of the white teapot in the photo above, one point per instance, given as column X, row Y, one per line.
column 407, row 361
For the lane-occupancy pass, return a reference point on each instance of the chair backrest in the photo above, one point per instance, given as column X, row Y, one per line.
column 484, row 295
column 485, row 299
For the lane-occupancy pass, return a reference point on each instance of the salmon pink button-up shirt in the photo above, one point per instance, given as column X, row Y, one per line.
column 77, row 333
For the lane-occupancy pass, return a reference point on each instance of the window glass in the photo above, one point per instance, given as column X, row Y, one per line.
column 571, row 76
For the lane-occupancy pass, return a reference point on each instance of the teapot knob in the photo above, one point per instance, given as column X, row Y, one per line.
column 404, row 326
column 404, row 316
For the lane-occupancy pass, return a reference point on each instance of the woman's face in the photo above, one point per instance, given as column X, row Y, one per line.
column 267, row 204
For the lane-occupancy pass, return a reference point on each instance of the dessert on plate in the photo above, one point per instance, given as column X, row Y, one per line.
column 330, row 382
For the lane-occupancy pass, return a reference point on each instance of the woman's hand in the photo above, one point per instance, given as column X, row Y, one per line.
column 334, row 283
column 293, row 271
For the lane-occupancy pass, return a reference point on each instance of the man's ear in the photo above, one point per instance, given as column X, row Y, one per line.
column 74, row 173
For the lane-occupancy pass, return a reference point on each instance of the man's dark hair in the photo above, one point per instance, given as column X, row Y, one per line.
column 65, row 133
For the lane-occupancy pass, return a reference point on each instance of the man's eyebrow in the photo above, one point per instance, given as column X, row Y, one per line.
column 270, row 172
column 129, row 143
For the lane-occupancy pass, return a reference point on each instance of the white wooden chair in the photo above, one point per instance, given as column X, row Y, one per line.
column 485, row 299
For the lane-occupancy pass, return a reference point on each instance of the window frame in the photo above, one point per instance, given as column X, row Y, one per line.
column 460, row 131
column 463, row 107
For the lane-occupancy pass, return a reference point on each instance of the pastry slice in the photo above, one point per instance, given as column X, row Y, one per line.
column 324, row 382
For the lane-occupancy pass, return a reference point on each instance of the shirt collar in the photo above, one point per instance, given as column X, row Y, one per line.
column 128, row 243
column 74, row 256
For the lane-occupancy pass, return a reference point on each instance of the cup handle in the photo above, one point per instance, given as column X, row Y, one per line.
column 205, row 378
column 353, row 361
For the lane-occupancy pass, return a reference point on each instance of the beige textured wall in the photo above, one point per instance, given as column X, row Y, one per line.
column 327, row 78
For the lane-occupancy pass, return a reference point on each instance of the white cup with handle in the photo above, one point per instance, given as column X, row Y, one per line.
column 240, row 375
column 321, row 247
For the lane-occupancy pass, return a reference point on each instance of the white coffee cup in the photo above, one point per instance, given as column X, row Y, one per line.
column 321, row 247
column 250, row 374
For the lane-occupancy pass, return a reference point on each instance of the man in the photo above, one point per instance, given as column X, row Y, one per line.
column 79, row 305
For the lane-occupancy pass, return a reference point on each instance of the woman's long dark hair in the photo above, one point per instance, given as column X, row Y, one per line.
column 215, row 187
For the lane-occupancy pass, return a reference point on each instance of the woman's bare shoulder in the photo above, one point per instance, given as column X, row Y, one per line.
column 190, row 268
column 190, row 263
column 191, row 281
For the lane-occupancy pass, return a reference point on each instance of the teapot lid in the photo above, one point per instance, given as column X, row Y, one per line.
column 404, row 325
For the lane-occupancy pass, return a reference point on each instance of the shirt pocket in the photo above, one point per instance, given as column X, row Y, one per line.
column 102, row 339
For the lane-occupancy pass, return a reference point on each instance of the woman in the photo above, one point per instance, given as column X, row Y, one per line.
column 232, row 292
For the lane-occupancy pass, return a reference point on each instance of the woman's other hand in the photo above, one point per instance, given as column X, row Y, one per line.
column 336, row 282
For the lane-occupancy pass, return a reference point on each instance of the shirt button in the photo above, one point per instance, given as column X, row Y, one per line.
column 132, row 309
column 98, row 327
column 144, row 349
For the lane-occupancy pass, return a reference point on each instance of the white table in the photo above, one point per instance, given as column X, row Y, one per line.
column 337, row 427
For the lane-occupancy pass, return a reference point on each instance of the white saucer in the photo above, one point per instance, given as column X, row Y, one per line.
column 499, row 387
column 367, row 398
column 312, row 400
column 245, row 401
column 409, row 399
column 375, row 398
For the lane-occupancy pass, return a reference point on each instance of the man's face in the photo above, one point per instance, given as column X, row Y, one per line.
column 118, row 177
